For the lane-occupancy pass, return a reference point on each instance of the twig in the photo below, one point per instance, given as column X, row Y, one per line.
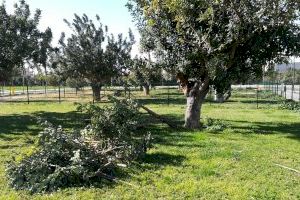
column 285, row 167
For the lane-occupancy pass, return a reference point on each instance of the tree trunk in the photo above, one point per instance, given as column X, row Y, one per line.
column 219, row 97
column 146, row 89
column 195, row 99
column 96, row 92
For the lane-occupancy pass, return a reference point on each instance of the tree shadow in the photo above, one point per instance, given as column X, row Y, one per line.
column 291, row 129
column 164, row 101
column 170, row 94
column 260, row 101
column 18, row 124
column 68, row 120
column 163, row 159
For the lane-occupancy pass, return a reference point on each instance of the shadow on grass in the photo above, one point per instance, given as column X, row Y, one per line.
column 260, row 101
column 155, row 101
column 170, row 93
column 17, row 124
column 291, row 129
column 163, row 159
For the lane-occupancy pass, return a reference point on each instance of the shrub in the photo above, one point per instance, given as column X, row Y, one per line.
column 214, row 125
column 83, row 157
column 290, row 105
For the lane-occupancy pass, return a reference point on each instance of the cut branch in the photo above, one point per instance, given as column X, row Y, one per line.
column 159, row 117
column 291, row 169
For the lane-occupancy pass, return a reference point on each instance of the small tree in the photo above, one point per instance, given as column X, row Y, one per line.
column 143, row 73
column 93, row 54
column 217, row 42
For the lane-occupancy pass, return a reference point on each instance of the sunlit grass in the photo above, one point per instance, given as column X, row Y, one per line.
column 236, row 163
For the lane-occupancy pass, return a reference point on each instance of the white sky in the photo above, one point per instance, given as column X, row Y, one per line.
column 113, row 13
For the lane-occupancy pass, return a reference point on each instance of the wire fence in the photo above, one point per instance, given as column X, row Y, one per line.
column 291, row 92
column 65, row 94
column 166, row 94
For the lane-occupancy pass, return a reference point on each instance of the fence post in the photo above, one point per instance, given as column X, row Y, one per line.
column 277, row 88
column 168, row 95
column 27, row 90
column 284, row 89
column 59, row 93
column 299, row 92
column 257, row 97
column 292, row 95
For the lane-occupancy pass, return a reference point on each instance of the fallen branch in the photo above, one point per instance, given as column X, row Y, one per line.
column 285, row 167
column 159, row 117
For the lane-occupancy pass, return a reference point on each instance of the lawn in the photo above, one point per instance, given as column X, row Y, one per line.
column 238, row 162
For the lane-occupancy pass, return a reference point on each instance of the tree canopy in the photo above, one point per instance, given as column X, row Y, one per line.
column 217, row 42
column 143, row 73
column 20, row 39
column 92, row 53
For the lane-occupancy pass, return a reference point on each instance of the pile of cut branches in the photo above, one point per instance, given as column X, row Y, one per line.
column 82, row 157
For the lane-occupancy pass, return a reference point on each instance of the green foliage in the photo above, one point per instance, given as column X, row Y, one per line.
column 290, row 105
column 214, row 125
column 223, row 41
column 76, row 83
column 83, row 157
column 93, row 53
column 20, row 39
column 143, row 72
column 291, row 76
column 183, row 164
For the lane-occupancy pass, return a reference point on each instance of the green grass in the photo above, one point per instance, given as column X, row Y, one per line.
column 236, row 163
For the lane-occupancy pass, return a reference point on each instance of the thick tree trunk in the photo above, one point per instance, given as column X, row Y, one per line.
column 146, row 89
column 96, row 92
column 192, row 113
column 195, row 99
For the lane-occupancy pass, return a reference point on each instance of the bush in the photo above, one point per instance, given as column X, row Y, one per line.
column 214, row 125
column 290, row 105
column 83, row 157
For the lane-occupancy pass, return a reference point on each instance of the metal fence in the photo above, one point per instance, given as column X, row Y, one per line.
column 63, row 94
column 166, row 92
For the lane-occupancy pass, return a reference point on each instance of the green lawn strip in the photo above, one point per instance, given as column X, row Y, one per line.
column 236, row 163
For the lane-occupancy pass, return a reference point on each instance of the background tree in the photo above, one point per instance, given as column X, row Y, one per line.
column 45, row 50
column 217, row 42
column 76, row 83
column 291, row 76
column 93, row 54
column 143, row 73
column 19, row 38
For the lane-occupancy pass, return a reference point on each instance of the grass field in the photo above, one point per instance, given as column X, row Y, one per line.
column 236, row 163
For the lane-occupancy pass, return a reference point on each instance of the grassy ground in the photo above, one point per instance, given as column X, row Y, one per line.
column 236, row 163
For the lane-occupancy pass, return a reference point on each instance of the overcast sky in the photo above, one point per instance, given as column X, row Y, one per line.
column 113, row 13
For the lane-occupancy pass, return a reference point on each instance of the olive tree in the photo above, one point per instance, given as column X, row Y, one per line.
column 212, row 42
column 20, row 39
column 143, row 73
column 92, row 53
